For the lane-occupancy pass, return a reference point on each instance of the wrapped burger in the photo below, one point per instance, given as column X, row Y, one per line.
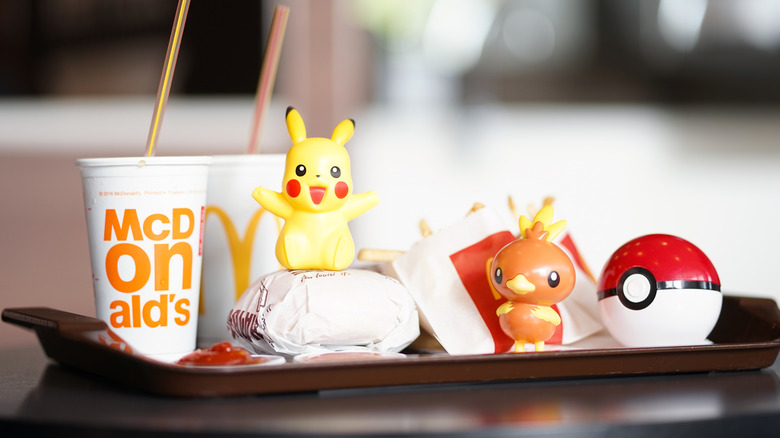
column 316, row 311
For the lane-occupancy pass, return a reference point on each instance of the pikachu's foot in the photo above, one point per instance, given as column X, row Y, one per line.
column 344, row 253
column 539, row 346
column 519, row 347
column 292, row 252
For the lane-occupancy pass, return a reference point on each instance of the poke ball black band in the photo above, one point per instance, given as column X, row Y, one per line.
column 637, row 305
column 654, row 288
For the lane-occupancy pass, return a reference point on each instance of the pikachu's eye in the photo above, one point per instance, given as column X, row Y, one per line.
column 335, row 172
column 300, row 170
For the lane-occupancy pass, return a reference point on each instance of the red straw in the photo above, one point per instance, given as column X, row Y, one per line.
column 164, row 89
column 265, row 85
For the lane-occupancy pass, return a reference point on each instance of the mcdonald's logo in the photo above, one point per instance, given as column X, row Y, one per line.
column 240, row 248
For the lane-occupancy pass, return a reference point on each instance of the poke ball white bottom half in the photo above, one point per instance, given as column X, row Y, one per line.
column 680, row 317
column 659, row 290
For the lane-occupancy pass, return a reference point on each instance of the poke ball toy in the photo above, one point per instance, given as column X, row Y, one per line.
column 659, row 290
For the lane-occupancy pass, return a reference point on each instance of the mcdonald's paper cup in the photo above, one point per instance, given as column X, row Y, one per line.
column 145, row 219
column 240, row 236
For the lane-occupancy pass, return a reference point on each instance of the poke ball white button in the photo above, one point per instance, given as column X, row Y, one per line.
column 637, row 288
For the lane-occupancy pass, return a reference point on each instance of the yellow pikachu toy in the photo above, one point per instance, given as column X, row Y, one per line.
column 317, row 200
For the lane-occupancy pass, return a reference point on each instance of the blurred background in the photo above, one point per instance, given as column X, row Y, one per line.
column 638, row 116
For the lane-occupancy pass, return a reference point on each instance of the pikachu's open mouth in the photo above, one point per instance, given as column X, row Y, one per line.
column 316, row 193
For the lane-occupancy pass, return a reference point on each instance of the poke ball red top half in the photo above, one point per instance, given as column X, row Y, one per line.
column 659, row 290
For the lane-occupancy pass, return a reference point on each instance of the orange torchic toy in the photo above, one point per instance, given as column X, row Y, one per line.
column 532, row 273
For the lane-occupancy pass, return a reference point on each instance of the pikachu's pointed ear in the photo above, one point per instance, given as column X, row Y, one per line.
column 343, row 132
column 295, row 125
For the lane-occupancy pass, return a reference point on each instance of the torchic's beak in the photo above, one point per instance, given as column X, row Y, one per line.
column 520, row 285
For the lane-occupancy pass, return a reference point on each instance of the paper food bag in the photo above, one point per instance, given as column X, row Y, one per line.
column 445, row 273
column 296, row 312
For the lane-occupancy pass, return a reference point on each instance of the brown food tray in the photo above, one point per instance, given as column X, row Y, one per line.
column 746, row 337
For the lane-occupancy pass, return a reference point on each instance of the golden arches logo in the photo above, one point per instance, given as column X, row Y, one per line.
column 240, row 248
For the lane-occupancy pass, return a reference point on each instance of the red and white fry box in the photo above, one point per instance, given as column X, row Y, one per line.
column 446, row 275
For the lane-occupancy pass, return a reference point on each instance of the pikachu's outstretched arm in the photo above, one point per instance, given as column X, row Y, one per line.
column 360, row 203
column 272, row 201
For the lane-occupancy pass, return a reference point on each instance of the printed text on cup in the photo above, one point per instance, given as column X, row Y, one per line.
column 169, row 232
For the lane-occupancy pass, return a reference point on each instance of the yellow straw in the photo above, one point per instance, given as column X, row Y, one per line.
column 265, row 84
column 164, row 90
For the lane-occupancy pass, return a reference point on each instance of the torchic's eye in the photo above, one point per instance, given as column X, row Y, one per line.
column 300, row 170
column 498, row 275
column 335, row 172
column 553, row 279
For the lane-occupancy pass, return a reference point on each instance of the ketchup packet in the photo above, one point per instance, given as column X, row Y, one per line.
column 219, row 354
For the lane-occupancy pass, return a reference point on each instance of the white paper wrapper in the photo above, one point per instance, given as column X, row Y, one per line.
column 445, row 273
column 297, row 312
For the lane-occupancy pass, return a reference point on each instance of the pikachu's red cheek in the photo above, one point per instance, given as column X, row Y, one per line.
column 293, row 188
column 341, row 190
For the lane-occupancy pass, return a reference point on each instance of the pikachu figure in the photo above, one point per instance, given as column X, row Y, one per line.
column 317, row 200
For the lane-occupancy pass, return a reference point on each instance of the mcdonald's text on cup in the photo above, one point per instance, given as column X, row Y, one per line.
column 169, row 232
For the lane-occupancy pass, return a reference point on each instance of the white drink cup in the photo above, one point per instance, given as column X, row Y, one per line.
column 145, row 219
column 240, row 237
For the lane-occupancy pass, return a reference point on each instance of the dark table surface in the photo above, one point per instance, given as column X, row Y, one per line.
column 38, row 395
